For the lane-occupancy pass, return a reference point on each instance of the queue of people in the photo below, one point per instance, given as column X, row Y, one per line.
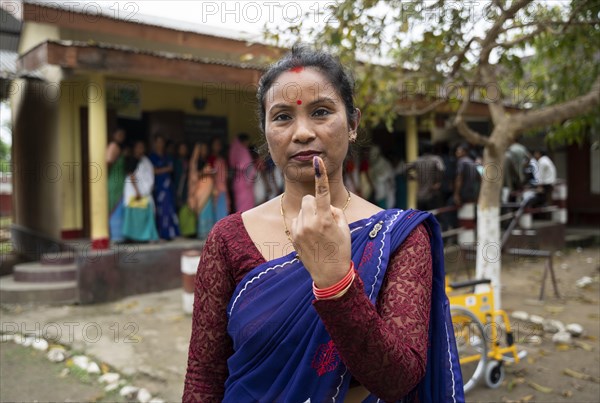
column 189, row 191
column 192, row 191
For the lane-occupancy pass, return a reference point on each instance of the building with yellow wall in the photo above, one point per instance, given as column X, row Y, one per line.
column 84, row 75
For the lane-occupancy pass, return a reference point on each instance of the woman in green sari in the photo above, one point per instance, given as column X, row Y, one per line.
column 115, row 160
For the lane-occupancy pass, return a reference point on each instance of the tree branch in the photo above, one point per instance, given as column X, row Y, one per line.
column 496, row 107
column 489, row 42
column 519, row 26
column 509, row 44
column 417, row 112
column 573, row 14
column 461, row 57
column 498, row 3
column 557, row 113
column 463, row 128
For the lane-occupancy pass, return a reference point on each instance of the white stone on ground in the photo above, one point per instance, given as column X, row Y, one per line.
column 23, row 340
column 538, row 320
column 535, row 339
column 520, row 315
column 575, row 329
column 7, row 337
column 111, row 386
column 40, row 344
column 156, row 400
column 109, row 377
column 553, row 326
column 129, row 391
column 143, row 396
column 93, row 368
column 583, row 282
column 81, row 361
column 562, row 338
column 56, row 354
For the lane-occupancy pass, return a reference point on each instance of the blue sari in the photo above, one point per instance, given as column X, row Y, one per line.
column 115, row 222
column 206, row 219
column 276, row 332
column 167, row 221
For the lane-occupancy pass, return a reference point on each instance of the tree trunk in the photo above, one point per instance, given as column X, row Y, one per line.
column 489, row 248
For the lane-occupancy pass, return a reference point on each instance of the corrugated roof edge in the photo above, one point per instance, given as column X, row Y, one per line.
column 166, row 55
column 161, row 22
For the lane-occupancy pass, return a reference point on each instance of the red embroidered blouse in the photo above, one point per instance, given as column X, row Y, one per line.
column 383, row 346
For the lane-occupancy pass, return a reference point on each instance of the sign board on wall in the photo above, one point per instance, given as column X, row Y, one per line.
column 124, row 97
column 199, row 128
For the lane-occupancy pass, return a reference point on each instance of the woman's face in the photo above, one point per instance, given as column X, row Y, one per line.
column 159, row 145
column 182, row 150
column 216, row 146
column 203, row 150
column 139, row 149
column 306, row 117
column 119, row 136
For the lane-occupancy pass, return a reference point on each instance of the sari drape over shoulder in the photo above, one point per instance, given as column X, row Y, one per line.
column 139, row 223
column 282, row 351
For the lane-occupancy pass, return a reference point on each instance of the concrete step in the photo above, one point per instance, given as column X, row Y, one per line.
column 12, row 292
column 58, row 258
column 35, row 272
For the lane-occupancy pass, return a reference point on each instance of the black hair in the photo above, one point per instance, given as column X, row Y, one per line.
column 243, row 137
column 130, row 164
column 464, row 146
column 425, row 148
column 202, row 159
column 303, row 56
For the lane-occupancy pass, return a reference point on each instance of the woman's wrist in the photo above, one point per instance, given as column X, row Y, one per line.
column 338, row 289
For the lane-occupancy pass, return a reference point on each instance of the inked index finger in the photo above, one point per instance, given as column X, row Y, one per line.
column 322, row 195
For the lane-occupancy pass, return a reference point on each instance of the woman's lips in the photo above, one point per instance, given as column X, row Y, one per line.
column 305, row 156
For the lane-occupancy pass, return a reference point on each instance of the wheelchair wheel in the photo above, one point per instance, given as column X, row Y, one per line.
column 472, row 345
column 494, row 374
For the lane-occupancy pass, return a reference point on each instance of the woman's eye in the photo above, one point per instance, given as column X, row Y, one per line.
column 281, row 116
column 321, row 112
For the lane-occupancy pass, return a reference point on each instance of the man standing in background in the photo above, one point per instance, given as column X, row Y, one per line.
column 428, row 172
column 546, row 176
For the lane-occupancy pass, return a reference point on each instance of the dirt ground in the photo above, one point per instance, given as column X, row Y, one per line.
column 157, row 359
column 540, row 376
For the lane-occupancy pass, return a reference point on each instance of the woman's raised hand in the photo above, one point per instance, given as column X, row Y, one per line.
column 321, row 234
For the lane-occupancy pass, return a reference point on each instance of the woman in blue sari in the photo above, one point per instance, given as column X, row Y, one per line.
column 166, row 215
column 318, row 295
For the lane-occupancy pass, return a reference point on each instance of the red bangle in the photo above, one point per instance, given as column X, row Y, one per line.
column 324, row 293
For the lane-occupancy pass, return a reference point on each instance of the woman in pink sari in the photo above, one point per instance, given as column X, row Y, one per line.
column 240, row 160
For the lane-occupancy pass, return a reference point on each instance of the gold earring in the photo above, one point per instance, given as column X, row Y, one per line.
column 352, row 136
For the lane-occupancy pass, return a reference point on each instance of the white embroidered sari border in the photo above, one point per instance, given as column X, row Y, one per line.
column 389, row 224
column 259, row 275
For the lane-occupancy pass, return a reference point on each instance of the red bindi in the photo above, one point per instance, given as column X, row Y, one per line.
column 297, row 69
column 299, row 102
